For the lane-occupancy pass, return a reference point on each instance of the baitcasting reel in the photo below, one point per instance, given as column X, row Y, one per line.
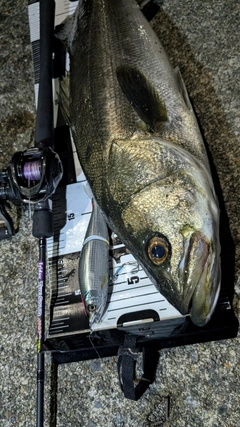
column 32, row 176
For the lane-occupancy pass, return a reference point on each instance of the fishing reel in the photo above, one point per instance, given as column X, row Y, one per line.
column 32, row 176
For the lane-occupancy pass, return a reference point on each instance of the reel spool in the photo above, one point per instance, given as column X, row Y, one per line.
column 32, row 176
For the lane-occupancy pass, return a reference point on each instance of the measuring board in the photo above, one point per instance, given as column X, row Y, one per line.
column 133, row 304
column 130, row 291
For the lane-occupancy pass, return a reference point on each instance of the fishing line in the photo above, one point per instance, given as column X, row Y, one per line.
column 93, row 346
column 31, row 171
column 125, row 266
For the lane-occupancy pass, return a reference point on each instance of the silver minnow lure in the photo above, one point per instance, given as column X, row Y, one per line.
column 93, row 266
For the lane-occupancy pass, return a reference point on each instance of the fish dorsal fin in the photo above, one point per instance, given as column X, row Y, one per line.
column 65, row 31
column 64, row 98
column 68, row 30
column 149, row 8
column 142, row 96
column 182, row 88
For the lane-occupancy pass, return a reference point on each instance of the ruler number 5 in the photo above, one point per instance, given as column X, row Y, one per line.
column 133, row 280
column 71, row 216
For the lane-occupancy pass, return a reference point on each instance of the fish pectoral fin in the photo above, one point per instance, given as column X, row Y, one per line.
column 182, row 88
column 142, row 96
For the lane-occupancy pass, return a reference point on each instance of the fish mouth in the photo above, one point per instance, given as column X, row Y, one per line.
column 200, row 275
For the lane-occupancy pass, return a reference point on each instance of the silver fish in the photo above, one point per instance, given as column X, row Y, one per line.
column 94, row 266
column 140, row 147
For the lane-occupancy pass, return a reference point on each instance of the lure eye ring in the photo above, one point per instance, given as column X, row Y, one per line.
column 91, row 308
column 157, row 250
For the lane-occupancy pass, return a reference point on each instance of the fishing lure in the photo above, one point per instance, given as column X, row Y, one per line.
column 94, row 266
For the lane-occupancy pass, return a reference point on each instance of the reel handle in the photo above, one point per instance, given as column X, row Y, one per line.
column 7, row 230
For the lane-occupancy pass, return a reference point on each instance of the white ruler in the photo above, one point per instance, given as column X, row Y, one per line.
column 131, row 291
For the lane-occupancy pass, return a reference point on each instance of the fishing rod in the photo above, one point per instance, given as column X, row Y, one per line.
column 42, row 218
column 32, row 176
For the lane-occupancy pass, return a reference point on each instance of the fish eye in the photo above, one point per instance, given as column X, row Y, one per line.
column 158, row 250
